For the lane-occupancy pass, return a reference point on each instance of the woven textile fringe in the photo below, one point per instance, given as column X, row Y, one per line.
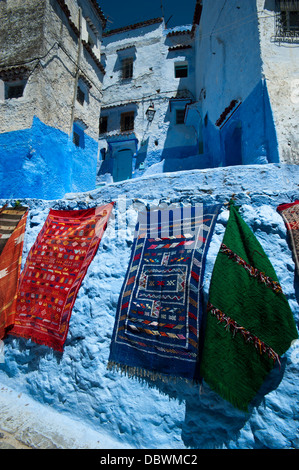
column 141, row 373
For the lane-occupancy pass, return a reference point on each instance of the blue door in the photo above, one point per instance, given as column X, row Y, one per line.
column 122, row 168
column 233, row 146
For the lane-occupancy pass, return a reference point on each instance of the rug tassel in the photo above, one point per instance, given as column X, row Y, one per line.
column 144, row 373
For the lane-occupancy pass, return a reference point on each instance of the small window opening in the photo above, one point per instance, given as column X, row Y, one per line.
column 180, row 116
column 103, row 124
column 127, row 121
column 14, row 90
column 80, row 95
column 78, row 135
column 290, row 21
column 76, row 139
column 181, row 70
column 127, row 68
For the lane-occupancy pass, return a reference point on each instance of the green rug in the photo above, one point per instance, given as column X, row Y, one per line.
column 249, row 322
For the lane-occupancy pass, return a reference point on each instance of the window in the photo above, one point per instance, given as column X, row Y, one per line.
column 127, row 68
column 181, row 70
column 103, row 124
column 290, row 21
column 180, row 116
column 14, row 89
column 287, row 22
column 83, row 90
column 80, row 95
column 127, row 121
column 76, row 139
column 78, row 133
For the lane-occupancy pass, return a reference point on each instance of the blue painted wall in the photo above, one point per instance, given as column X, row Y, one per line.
column 248, row 137
column 43, row 162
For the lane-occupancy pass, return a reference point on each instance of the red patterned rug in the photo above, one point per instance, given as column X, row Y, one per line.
column 12, row 229
column 290, row 215
column 54, row 270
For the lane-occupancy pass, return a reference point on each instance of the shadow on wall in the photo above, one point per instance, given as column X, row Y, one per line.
column 228, row 421
column 246, row 136
column 200, row 401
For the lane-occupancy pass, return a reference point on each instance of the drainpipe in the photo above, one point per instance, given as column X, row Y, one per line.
column 77, row 71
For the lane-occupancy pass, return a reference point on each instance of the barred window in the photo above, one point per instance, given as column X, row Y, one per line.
column 80, row 95
column 76, row 139
column 290, row 20
column 287, row 24
column 14, row 90
column 127, row 121
column 181, row 70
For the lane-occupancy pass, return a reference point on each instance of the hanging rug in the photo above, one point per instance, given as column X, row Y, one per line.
column 249, row 322
column 12, row 231
column 290, row 215
column 53, row 272
column 158, row 320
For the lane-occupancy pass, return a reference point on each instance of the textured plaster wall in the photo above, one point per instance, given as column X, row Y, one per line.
column 20, row 20
column 60, row 66
column 160, row 415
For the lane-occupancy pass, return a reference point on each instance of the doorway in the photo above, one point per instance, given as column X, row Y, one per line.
column 233, row 146
column 122, row 168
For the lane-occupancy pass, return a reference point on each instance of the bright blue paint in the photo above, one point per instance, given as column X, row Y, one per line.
column 42, row 162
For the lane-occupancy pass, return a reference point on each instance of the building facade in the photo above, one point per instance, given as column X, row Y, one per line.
column 224, row 90
column 247, row 69
column 149, row 81
column 81, row 105
column 50, row 95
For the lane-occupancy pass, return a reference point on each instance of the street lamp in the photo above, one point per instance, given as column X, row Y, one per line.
column 150, row 113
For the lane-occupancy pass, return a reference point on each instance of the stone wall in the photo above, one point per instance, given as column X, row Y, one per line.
column 42, row 40
column 158, row 415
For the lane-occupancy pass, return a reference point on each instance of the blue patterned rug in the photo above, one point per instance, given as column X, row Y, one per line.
column 158, row 321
